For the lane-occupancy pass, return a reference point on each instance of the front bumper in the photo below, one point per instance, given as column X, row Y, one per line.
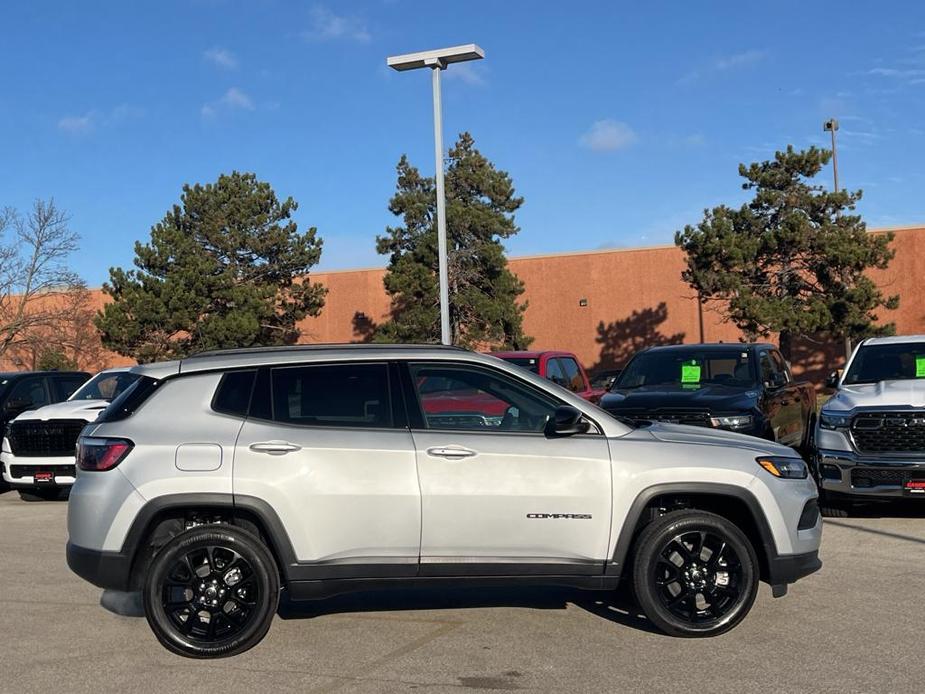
column 784, row 569
column 108, row 570
column 848, row 473
column 20, row 471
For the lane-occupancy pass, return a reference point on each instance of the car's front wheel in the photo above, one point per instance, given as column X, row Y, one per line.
column 211, row 592
column 694, row 573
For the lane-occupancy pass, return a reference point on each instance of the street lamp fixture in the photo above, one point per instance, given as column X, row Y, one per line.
column 437, row 61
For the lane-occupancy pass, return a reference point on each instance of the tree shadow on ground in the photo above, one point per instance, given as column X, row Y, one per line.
column 614, row 606
column 622, row 338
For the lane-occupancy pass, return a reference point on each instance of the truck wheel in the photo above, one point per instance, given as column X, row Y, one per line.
column 211, row 592
column 53, row 494
column 695, row 573
column 831, row 507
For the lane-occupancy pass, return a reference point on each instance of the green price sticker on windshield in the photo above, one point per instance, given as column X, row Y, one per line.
column 690, row 373
column 919, row 366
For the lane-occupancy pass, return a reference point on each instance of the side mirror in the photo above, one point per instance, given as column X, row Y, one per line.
column 832, row 380
column 566, row 421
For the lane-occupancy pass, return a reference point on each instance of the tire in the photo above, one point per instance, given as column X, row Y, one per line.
column 682, row 591
column 195, row 603
column 830, row 507
column 53, row 494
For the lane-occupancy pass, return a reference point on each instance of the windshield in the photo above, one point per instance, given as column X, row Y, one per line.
column 688, row 368
column 105, row 386
column 528, row 363
column 896, row 362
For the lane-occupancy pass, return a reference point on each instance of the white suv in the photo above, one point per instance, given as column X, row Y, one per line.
column 215, row 481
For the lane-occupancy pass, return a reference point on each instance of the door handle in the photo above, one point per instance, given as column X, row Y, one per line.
column 274, row 447
column 450, row 452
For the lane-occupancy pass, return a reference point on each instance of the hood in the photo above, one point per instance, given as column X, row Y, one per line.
column 87, row 410
column 677, row 433
column 712, row 397
column 907, row 392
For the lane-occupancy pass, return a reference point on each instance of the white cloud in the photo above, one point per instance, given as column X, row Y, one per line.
column 232, row 100
column 221, row 57
column 739, row 59
column 465, row 73
column 724, row 64
column 608, row 135
column 77, row 125
column 94, row 119
column 328, row 26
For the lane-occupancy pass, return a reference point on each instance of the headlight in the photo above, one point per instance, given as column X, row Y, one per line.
column 739, row 421
column 786, row 468
column 828, row 420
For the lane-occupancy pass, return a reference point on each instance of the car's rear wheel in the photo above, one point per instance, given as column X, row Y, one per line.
column 694, row 573
column 211, row 592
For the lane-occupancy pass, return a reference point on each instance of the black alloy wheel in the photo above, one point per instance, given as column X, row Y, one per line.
column 211, row 592
column 695, row 573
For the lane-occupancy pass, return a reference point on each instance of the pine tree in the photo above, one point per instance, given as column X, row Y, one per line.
column 480, row 206
column 792, row 260
column 227, row 267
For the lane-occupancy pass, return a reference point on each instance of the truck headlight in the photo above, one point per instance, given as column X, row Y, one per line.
column 785, row 468
column 828, row 420
column 739, row 421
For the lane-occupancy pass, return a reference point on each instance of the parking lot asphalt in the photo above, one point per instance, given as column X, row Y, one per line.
column 856, row 626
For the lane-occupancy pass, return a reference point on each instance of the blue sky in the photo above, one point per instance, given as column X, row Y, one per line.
column 619, row 122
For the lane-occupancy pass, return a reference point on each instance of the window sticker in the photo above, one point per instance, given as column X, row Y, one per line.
column 920, row 365
column 690, row 372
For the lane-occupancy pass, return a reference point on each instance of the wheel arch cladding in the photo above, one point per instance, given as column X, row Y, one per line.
column 734, row 503
column 163, row 518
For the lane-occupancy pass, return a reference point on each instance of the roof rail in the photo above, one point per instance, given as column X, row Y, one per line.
column 319, row 347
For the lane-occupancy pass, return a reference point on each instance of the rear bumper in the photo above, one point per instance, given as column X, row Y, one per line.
column 110, row 570
column 847, row 473
column 789, row 568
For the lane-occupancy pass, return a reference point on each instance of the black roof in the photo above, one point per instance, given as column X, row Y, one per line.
column 713, row 346
column 13, row 375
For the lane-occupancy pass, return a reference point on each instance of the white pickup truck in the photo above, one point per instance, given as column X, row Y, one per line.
column 870, row 436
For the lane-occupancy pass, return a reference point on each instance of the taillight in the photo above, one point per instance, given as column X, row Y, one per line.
column 97, row 454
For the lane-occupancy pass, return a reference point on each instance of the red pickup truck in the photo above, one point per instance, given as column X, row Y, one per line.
column 562, row 368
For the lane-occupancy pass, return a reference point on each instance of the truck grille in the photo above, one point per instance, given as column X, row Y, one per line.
column 20, row 471
column 889, row 432
column 695, row 418
column 34, row 438
column 883, row 477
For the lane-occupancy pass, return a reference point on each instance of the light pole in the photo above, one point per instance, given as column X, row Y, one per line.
column 831, row 126
column 437, row 61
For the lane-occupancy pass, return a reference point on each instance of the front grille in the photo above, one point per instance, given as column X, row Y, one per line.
column 883, row 477
column 889, row 432
column 695, row 418
column 20, row 471
column 56, row 437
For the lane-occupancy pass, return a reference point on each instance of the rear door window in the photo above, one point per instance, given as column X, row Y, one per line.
column 332, row 395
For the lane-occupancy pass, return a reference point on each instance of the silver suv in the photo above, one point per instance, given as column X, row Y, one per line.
column 215, row 482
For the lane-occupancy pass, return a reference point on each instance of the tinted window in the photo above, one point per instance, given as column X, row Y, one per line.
column 573, row 378
column 888, row 362
column 233, row 394
column 67, row 385
column 554, row 373
column 129, row 400
column 334, row 395
column 471, row 398
column 768, row 368
column 781, row 365
column 688, row 367
column 27, row 394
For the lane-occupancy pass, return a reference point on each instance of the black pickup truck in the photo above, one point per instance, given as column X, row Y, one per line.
column 747, row 388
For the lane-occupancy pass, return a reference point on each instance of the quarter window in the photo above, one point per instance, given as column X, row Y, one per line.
column 332, row 395
column 233, row 395
column 473, row 399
